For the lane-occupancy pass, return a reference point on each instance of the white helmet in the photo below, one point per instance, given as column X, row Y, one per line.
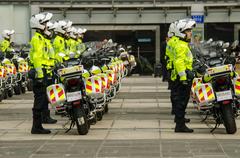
column 7, row 33
column 172, row 29
column 84, row 30
column 37, row 21
column 60, row 27
column 183, row 25
column 73, row 32
column 50, row 26
column 80, row 31
column 68, row 26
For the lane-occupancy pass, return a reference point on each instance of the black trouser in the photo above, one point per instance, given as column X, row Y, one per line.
column 180, row 95
column 39, row 90
column 164, row 73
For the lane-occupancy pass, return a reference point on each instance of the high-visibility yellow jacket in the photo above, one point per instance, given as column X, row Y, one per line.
column 59, row 47
column 170, row 51
column 5, row 46
column 37, row 57
column 182, row 60
column 72, row 46
column 50, row 55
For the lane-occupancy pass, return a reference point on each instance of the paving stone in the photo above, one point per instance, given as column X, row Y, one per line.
column 138, row 125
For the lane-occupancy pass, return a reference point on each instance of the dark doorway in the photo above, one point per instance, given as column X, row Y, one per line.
column 142, row 42
column 238, row 34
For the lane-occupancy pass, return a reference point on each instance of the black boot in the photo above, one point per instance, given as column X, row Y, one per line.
column 37, row 127
column 46, row 117
column 186, row 120
column 181, row 127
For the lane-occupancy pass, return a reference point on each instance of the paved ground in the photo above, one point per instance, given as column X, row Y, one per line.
column 138, row 125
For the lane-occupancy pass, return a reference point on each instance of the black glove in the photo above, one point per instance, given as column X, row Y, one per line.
column 31, row 73
column 190, row 74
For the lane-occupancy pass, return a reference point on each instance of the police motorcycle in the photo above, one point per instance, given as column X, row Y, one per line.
column 20, row 61
column 97, row 84
column 11, row 79
column 100, row 70
column 128, row 60
column 68, row 95
column 3, row 74
column 215, row 90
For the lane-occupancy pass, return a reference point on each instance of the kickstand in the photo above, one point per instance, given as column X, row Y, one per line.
column 205, row 117
column 216, row 126
column 72, row 124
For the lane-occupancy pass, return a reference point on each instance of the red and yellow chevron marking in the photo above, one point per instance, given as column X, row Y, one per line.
column 205, row 93
column 52, row 96
column 97, row 85
column 56, row 93
column 23, row 67
column 89, row 85
column 237, row 86
column 3, row 73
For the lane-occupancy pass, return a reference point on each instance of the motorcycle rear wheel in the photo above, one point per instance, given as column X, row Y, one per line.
column 10, row 93
column 81, row 121
column 23, row 89
column 228, row 119
column 99, row 115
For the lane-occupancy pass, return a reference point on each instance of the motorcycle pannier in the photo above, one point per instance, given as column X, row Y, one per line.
column 204, row 94
column 236, row 84
column 56, row 94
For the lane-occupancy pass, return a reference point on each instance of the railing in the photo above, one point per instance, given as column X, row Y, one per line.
column 111, row 1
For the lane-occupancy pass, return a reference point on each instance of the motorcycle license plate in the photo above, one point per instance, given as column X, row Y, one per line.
column 224, row 95
column 72, row 96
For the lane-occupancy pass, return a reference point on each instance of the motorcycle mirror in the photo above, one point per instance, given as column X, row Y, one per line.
column 129, row 47
column 209, row 41
column 235, row 44
column 220, row 43
column 226, row 45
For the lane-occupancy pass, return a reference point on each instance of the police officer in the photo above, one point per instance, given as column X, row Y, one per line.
column 72, row 41
column 37, row 59
column 6, row 44
column 169, row 55
column 50, row 63
column 182, row 75
column 59, row 41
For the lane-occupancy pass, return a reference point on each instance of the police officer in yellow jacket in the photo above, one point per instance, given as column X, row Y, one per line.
column 169, row 56
column 6, row 44
column 38, row 60
column 59, row 41
column 182, row 74
column 50, row 56
column 72, row 41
